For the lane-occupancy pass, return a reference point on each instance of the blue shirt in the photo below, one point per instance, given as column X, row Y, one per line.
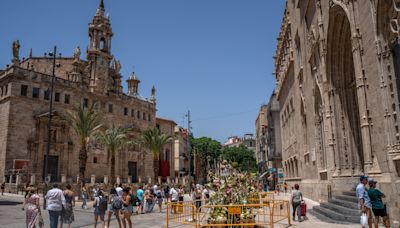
column 139, row 194
column 362, row 194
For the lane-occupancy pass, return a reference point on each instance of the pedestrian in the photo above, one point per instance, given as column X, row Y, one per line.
column 95, row 191
column 139, row 195
column 378, row 207
column 285, row 187
column 174, row 198
column 166, row 193
column 114, row 206
column 67, row 214
column 148, row 200
column 55, row 201
column 206, row 194
column 100, row 207
column 296, row 199
column 119, row 190
column 84, row 196
column 127, row 208
column 197, row 196
column 32, row 205
column 364, row 202
column 3, row 186
column 159, row 197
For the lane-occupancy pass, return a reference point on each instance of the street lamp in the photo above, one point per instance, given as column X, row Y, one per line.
column 46, row 162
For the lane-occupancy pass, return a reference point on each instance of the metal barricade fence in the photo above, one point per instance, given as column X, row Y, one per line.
column 246, row 215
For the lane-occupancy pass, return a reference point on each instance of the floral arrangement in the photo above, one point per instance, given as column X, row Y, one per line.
column 230, row 187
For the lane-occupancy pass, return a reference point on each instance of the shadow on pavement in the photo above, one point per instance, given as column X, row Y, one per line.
column 8, row 203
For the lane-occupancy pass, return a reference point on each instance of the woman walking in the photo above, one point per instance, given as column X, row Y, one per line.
column 296, row 199
column 33, row 213
column 84, row 196
column 100, row 207
column 148, row 199
column 67, row 214
column 159, row 197
column 114, row 206
column 127, row 208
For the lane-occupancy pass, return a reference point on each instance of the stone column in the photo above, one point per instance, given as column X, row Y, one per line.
column 105, row 179
column 93, row 179
column 63, row 178
column 33, row 179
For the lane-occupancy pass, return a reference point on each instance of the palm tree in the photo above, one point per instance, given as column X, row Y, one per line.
column 85, row 121
column 114, row 138
column 155, row 141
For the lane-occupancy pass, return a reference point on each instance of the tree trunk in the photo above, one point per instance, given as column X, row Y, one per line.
column 82, row 163
column 156, row 164
column 112, row 174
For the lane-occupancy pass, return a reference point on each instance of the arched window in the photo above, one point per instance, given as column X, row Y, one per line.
column 102, row 44
column 95, row 160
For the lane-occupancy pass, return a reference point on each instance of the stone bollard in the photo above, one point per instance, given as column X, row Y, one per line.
column 49, row 178
column 183, row 181
column 159, row 179
column 168, row 180
column 33, row 179
column 140, row 179
column 17, row 179
column 176, row 180
column 105, row 179
column 149, row 180
column 77, row 178
column 118, row 180
column 93, row 179
column 63, row 179
column 129, row 179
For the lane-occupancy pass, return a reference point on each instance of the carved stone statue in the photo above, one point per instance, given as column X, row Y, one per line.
column 116, row 65
column 77, row 53
column 15, row 49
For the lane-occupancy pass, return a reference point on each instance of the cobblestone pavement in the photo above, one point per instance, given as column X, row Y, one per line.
column 11, row 216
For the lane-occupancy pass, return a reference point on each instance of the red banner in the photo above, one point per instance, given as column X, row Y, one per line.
column 164, row 168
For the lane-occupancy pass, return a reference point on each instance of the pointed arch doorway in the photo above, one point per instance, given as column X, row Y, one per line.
column 341, row 75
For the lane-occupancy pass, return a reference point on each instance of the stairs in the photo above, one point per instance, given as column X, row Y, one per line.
column 342, row 209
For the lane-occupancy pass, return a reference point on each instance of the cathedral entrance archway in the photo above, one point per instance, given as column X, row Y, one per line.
column 342, row 79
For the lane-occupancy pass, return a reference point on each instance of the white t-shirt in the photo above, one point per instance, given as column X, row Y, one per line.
column 120, row 191
column 174, row 194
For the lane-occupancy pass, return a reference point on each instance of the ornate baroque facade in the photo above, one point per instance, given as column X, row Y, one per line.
column 337, row 81
column 96, row 80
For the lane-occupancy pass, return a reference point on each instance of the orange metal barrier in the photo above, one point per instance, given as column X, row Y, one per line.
column 247, row 215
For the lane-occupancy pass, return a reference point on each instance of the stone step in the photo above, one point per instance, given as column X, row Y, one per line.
column 321, row 217
column 349, row 193
column 340, row 209
column 336, row 216
column 344, row 203
column 347, row 198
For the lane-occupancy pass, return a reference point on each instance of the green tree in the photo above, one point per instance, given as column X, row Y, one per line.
column 85, row 122
column 155, row 141
column 208, row 149
column 244, row 157
column 114, row 138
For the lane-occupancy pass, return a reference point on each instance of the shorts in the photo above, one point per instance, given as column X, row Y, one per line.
column 127, row 209
column 98, row 212
column 380, row 212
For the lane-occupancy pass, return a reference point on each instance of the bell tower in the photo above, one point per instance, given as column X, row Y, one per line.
column 99, row 51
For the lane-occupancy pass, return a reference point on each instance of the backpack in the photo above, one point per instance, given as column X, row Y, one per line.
column 102, row 205
column 116, row 203
column 158, row 194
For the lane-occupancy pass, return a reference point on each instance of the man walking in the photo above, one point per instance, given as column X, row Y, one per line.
column 364, row 202
column 55, row 201
column 378, row 207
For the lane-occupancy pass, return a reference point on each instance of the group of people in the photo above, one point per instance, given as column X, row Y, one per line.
column 370, row 202
column 59, row 205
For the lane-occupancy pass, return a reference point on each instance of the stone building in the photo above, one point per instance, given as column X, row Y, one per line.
column 95, row 80
column 248, row 140
column 181, row 151
column 261, row 139
column 167, row 157
column 337, row 82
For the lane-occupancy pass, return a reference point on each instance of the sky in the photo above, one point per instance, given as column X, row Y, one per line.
column 212, row 57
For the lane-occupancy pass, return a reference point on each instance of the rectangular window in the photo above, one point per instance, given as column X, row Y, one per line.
column 46, row 94
column 85, row 102
column 35, row 92
column 138, row 114
column 110, row 108
column 24, row 90
column 66, row 99
column 132, row 113
column 125, row 111
column 57, row 97
column 149, row 117
column 144, row 116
